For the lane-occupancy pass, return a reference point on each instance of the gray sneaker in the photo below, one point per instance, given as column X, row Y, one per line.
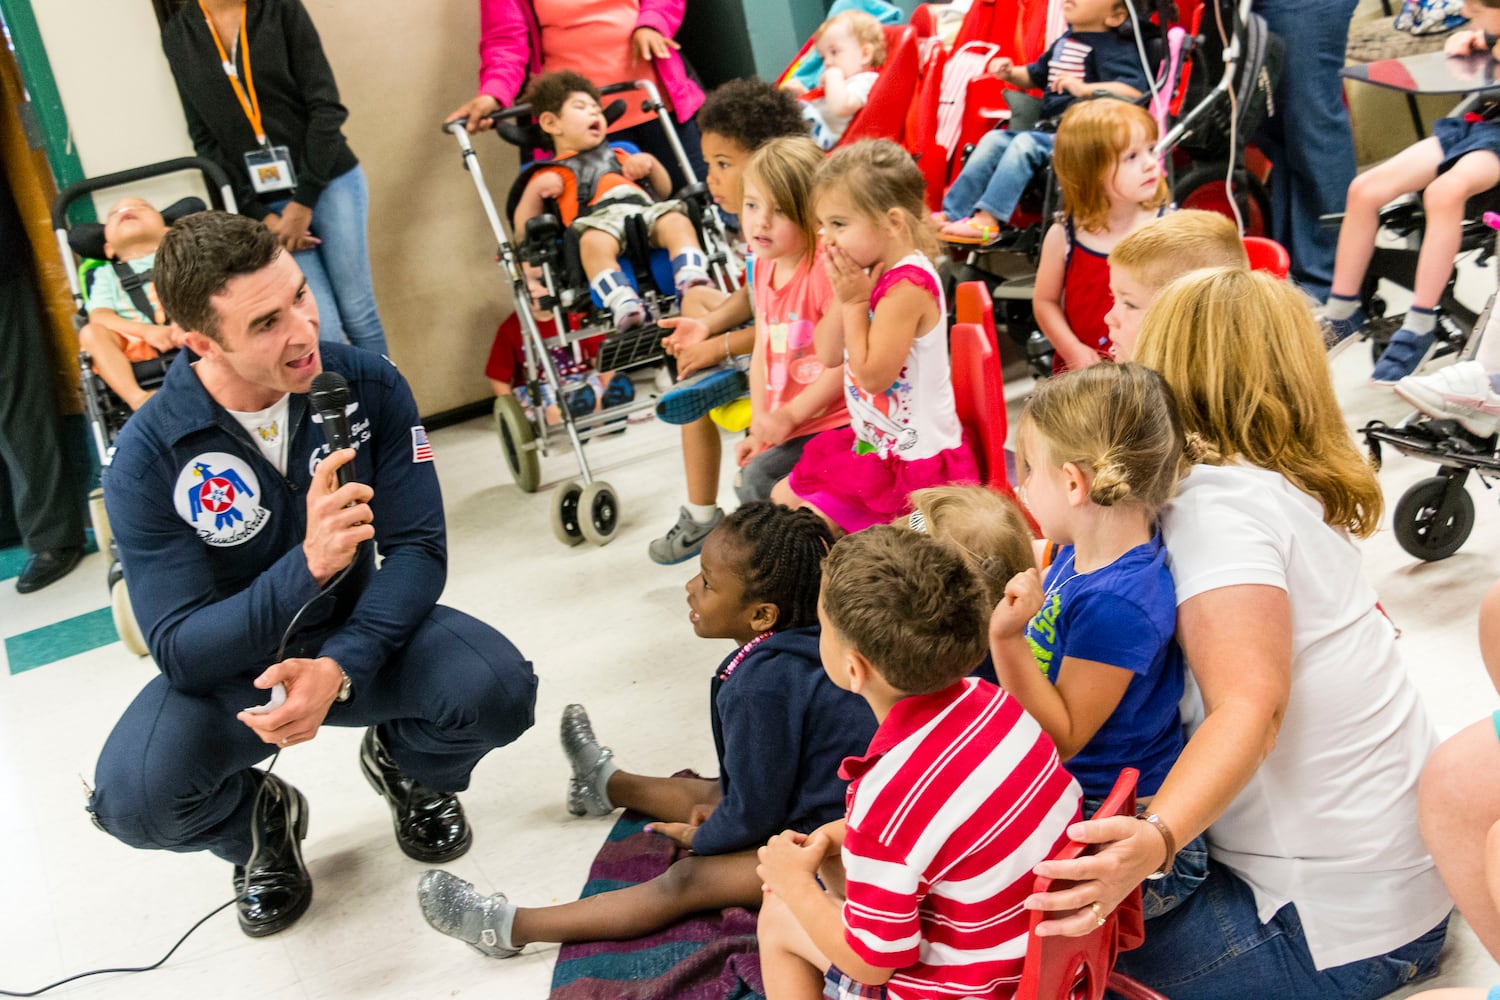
column 586, row 796
column 457, row 909
column 685, row 540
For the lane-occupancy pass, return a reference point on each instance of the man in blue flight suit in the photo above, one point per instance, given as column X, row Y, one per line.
column 236, row 536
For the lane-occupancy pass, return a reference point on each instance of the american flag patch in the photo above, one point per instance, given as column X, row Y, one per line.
column 421, row 448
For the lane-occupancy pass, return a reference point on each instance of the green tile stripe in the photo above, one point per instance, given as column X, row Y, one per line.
column 60, row 640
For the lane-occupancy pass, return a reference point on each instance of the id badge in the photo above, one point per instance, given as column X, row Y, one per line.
column 270, row 169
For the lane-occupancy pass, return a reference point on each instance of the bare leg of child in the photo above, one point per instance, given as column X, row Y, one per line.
column 791, row 966
column 494, row 926
column 783, row 494
column 1409, row 170
column 669, row 799
column 1458, row 815
column 111, row 364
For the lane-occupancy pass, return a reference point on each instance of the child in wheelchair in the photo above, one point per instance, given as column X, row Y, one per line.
column 1459, row 160
column 1092, row 55
column 595, row 188
column 126, row 324
column 852, row 45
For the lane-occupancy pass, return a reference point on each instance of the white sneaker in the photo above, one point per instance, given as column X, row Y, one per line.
column 1460, row 392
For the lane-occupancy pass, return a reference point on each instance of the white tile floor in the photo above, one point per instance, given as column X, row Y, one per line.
column 605, row 627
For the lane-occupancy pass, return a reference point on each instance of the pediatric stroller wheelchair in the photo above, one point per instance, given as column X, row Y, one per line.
column 582, row 508
column 81, row 246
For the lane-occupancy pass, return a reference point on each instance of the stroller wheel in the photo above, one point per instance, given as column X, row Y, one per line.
column 124, row 618
column 599, row 513
column 565, row 512
column 515, row 434
column 1434, row 518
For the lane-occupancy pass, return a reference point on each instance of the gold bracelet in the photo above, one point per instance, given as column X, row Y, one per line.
column 1170, row 841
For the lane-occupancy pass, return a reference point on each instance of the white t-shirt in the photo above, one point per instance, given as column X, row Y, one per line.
column 1329, row 819
column 268, row 429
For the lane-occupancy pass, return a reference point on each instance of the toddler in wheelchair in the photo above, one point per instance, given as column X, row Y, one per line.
column 596, row 191
column 1459, row 160
column 852, row 45
column 126, row 323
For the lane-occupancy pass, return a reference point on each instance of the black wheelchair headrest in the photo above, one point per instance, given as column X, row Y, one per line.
column 517, row 126
column 87, row 238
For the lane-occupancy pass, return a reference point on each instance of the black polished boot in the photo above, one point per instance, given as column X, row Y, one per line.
column 430, row 826
column 274, row 888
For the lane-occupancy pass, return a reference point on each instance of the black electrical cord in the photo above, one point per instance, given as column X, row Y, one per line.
column 275, row 755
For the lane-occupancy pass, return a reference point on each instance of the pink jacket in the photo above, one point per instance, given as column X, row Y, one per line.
column 510, row 51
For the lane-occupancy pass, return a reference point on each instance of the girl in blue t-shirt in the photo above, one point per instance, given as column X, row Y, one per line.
column 1089, row 651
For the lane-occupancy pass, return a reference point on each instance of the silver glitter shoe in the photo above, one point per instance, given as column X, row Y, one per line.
column 457, row 909
column 585, row 797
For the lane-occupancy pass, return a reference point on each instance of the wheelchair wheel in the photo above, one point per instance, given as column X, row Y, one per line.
column 599, row 513
column 1434, row 518
column 124, row 618
column 99, row 520
column 1202, row 186
column 565, row 512
column 515, row 434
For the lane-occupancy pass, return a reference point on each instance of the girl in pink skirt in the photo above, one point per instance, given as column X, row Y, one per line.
column 892, row 339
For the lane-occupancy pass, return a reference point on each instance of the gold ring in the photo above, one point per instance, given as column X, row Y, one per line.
column 1098, row 913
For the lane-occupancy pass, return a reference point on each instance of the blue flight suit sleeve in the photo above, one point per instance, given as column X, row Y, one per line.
column 198, row 641
column 409, row 533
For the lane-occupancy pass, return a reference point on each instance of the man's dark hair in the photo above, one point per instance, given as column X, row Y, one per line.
column 751, row 112
column 550, row 91
column 198, row 256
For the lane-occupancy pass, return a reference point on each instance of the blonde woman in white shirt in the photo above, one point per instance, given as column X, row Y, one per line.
column 1306, row 738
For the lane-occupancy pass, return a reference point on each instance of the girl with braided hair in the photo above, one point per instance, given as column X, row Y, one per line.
column 1089, row 651
column 781, row 729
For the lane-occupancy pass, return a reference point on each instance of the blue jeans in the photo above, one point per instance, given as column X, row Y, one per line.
column 1214, row 947
column 338, row 271
column 997, row 172
column 1308, row 140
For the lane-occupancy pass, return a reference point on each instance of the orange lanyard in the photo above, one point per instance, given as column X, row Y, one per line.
column 250, row 105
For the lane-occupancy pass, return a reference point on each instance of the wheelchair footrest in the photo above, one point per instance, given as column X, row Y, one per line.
column 630, row 348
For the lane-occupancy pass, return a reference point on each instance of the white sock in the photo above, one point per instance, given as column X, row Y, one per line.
column 1419, row 321
column 1340, row 307
column 703, row 513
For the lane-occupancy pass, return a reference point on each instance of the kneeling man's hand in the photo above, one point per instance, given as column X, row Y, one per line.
column 311, row 687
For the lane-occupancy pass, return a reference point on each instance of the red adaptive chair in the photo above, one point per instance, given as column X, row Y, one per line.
column 1080, row 968
column 980, row 398
column 884, row 113
column 1268, row 255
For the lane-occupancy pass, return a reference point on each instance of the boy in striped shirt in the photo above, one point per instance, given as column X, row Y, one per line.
column 960, row 795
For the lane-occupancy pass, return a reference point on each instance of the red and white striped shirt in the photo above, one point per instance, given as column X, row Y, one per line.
column 959, row 797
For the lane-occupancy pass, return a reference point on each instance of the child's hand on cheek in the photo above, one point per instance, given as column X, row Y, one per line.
column 850, row 282
column 1022, row 600
column 788, row 859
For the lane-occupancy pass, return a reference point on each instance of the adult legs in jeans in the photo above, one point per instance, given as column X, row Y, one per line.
column 1214, row 947
column 338, row 270
column 1309, row 141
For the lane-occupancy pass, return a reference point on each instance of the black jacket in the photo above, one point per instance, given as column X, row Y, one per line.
column 299, row 101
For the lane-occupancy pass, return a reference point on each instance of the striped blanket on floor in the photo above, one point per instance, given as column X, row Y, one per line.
column 710, row 956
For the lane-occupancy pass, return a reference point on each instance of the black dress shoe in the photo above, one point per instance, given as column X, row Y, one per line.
column 48, row 566
column 430, row 826
column 274, row 888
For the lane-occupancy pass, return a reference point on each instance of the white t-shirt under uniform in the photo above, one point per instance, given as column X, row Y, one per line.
column 1329, row 819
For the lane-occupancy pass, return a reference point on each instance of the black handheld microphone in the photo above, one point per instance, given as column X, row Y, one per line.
column 329, row 395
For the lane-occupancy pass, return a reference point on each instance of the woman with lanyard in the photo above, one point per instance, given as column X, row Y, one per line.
column 261, row 101
column 607, row 41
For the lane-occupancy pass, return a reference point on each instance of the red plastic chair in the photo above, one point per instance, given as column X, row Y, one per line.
column 1081, row 968
column 1267, row 255
column 980, row 397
